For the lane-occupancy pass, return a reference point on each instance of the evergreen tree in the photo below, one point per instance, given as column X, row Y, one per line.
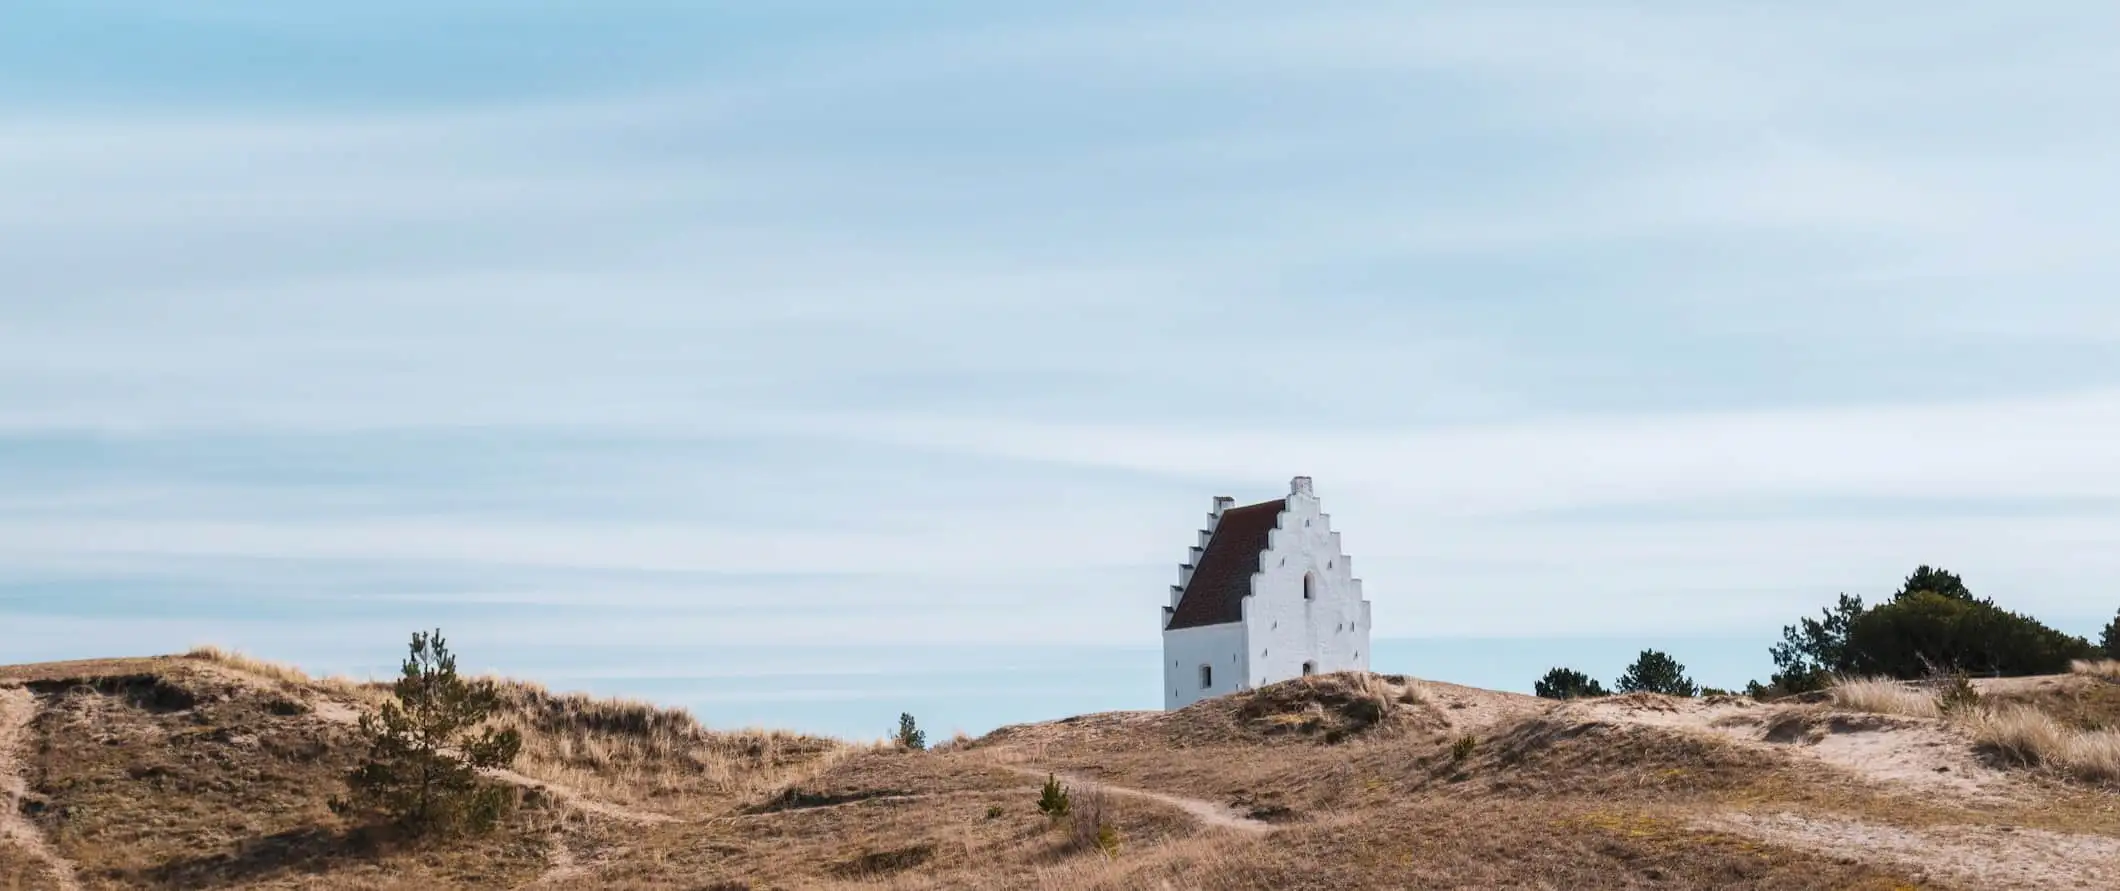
column 1923, row 632
column 2109, row 641
column 1813, row 650
column 1053, row 799
column 1567, row 683
column 1656, row 672
column 909, row 736
column 1938, row 581
column 426, row 747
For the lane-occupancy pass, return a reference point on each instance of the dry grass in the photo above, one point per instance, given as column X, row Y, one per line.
column 2016, row 732
column 1090, row 816
column 156, row 773
column 162, row 772
column 2025, row 735
column 285, row 675
column 1884, row 696
column 632, row 751
column 2097, row 668
column 616, row 749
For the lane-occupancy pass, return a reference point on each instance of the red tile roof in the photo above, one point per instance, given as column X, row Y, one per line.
column 1214, row 595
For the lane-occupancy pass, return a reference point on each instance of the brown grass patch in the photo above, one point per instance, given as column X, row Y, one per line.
column 2016, row 732
column 1884, row 696
column 2021, row 734
column 285, row 675
column 2108, row 669
column 152, row 775
column 1333, row 707
column 632, row 751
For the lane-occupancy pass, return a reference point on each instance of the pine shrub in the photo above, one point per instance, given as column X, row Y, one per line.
column 1462, row 748
column 426, row 748
column 1052, row 800
column 909, row 735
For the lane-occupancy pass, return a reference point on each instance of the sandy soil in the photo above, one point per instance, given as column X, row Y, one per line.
column 1906, row 753
column 1984, row 856
column 1472, row 710
column 18, row 707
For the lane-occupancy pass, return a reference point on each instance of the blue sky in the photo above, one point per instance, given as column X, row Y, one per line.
column 681, row 328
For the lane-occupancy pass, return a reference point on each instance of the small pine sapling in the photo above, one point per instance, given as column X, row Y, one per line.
column 426, row 748
column 909, row 735
column 1052, row 800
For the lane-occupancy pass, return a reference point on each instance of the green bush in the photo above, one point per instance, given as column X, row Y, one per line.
column 1462, row 748
column 1932, row 623
column 1108, row 840
column 1052, row 800
column 2109, row 640
column 426, row 748
column 1813, row 650
column 1957, row 695
column 1922, row 632
column 909, row 735
column 1656, row 672
column 1940, row 582
column 1567, row 683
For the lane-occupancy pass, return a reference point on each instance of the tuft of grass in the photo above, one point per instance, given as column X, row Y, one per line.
column 2027, row 736
column 629, row 750
column 1090, row 820
column 1884, row 696
column 281, row 673
column 2015, row 733
column 2097, row 668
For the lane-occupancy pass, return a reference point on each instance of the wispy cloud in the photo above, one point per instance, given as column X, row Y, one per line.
column 971, row 312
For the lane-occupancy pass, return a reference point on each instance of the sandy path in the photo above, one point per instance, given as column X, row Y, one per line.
column 1906, row 753
column 579, row 801
column 1984, row 856
column 1207, row 812
column 18, row 707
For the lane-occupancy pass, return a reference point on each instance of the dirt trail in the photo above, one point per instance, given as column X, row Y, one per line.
column 1207, row 812
column 18, row 707
column 1985, row 856
column 579, row 801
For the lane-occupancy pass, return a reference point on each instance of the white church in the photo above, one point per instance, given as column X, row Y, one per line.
column 1266, row 596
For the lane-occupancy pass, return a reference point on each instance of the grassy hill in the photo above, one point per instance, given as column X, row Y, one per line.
column 214, row 771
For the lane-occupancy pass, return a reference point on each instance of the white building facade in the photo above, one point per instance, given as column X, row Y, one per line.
column 1266, row 595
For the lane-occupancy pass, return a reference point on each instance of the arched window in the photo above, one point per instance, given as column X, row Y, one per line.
column 1310, row 667
column 1310, row 586
column 1207, row 676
